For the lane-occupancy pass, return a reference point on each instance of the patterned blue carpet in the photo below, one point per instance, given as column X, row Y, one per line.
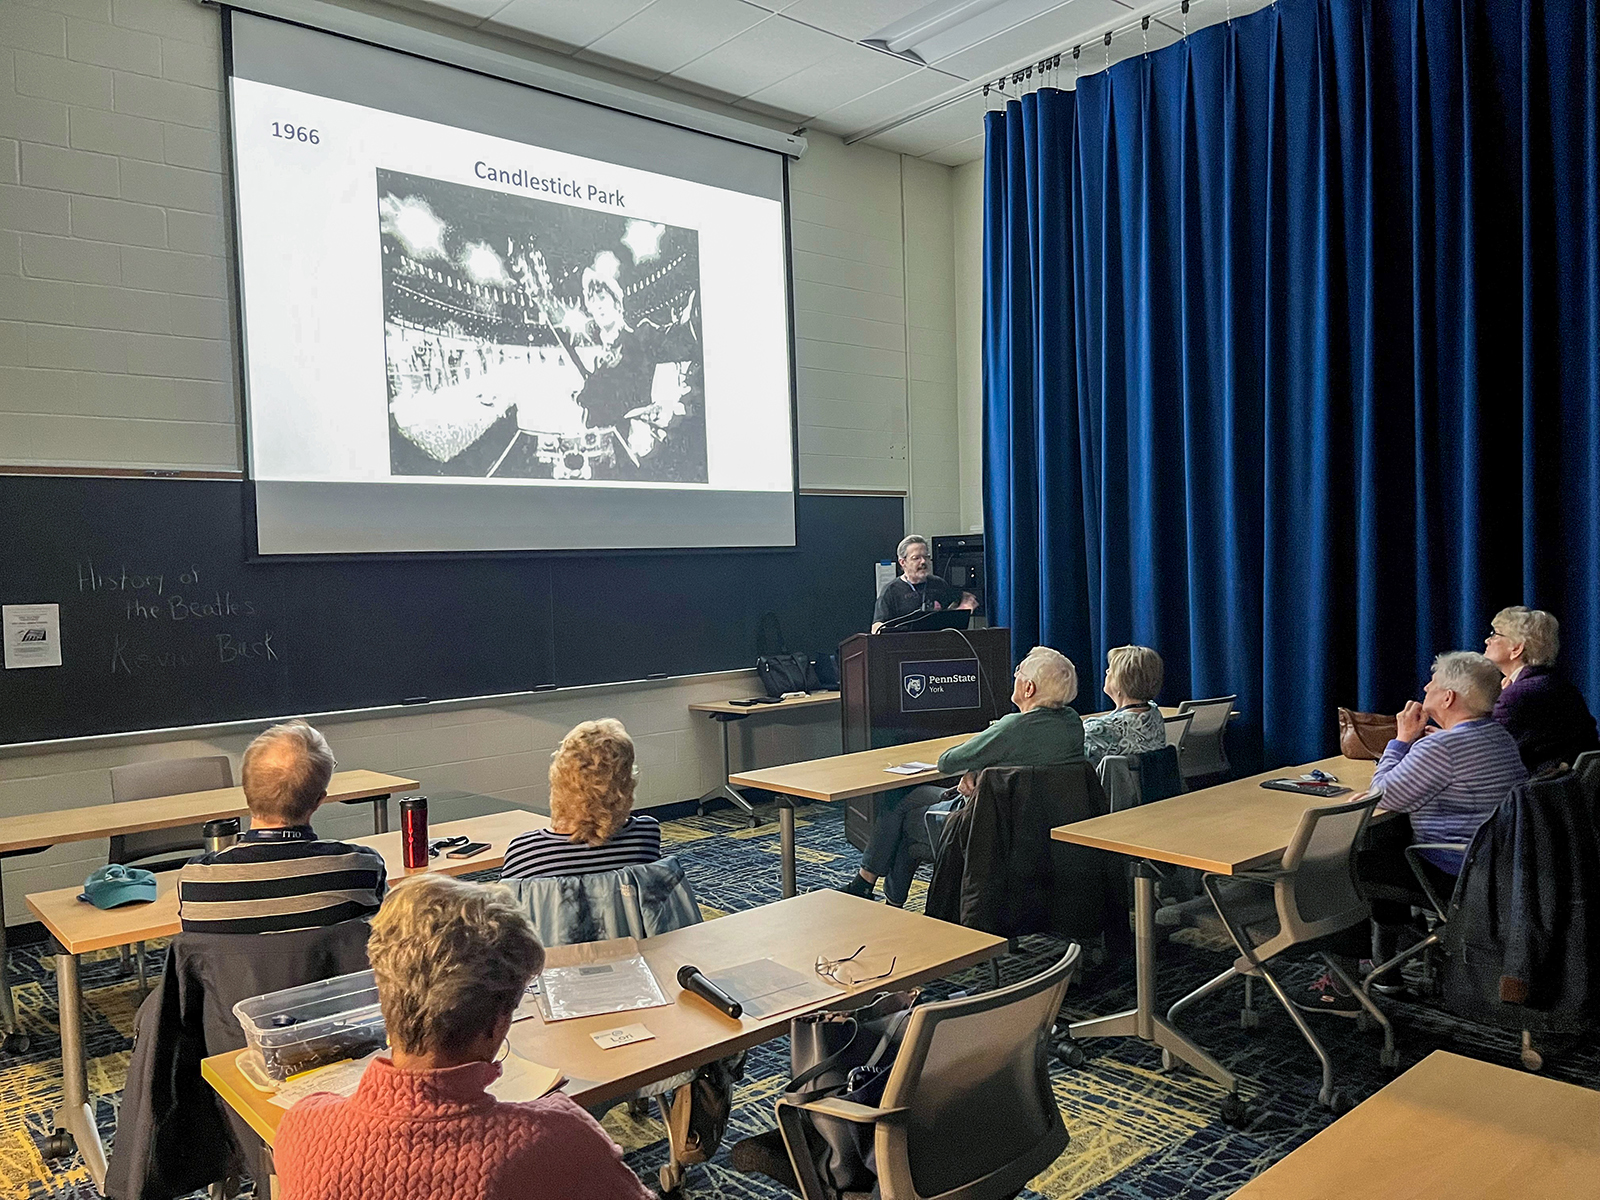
column 1136, row 1132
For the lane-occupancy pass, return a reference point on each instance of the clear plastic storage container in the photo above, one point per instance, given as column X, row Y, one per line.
column 301, row 1028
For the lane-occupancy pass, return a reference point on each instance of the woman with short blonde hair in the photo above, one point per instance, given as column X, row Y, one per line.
column 592, row 781
column 1134, row 726
column 1548, row 717
column 451, row 960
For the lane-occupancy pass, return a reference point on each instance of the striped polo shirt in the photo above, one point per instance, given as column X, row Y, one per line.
column 1450, row 783
column 539, row 853
column 278, row 881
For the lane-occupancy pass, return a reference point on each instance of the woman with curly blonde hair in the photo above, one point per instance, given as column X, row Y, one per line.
column 592, row 828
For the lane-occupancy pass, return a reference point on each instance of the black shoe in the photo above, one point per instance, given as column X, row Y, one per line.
column 764, row 1154
column 1326, row 995
column 857, row 887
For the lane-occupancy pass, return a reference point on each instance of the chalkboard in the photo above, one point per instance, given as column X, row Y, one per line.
column 168, row 620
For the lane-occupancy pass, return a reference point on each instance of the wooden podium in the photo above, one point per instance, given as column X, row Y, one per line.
column 907, row 687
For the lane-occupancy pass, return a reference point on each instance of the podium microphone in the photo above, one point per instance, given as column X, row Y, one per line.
column 690, row 979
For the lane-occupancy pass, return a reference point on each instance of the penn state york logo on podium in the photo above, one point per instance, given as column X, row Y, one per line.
column 938, row 683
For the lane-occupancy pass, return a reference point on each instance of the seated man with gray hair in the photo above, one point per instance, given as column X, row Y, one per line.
column 1548, row 717
column 280, row 876
column 1448, row 783
column 917, row 589
column 1044, row 732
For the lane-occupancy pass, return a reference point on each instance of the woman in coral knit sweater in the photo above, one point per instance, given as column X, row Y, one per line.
column 451, row 960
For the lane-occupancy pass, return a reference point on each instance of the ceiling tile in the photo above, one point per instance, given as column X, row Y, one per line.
column 760, row 56
column 851, row 72
column 1033, row 37
column 854, row 19
column 953, row 123
column 566, row 22
column 958, row 154
column 875, row 107
column 671, row 33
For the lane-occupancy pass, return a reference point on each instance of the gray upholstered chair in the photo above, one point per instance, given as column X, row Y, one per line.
column 1310, row 895
column 163, row 849
column 968, row 1112
column 1204, row 751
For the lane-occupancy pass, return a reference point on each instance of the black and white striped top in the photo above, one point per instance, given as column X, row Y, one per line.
column 539, row 853
column 278, row 881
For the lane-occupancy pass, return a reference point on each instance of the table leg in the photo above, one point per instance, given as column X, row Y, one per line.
column 380, row 814
column 1141, row 1021
column 786, row 843
column 725, row 790
column 75, row 1117
column 15, row 1042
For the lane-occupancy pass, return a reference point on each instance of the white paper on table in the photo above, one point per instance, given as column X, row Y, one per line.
column 610, row 1039
column 523, row 1079
column 340, row 1078
column 766, row 987
column 593, row 978
column 32, row 635
column 912, row 768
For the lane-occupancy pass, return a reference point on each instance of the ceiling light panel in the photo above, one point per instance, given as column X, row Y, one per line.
column 853, row 19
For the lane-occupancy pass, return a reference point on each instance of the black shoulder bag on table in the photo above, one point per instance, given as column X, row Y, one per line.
column 781, row 670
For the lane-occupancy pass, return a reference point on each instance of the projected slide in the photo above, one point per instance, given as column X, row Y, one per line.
column 457, row 340
column 529, row 339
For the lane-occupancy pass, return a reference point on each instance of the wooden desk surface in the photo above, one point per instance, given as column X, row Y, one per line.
column 847, row 775
column 81, row 927
column 689, row 1031
column 33, row 830
column 1450, row 1128
column 1231, row 827
column 755, row 710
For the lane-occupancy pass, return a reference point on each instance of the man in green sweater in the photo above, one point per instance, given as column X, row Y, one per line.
column 1044, row 732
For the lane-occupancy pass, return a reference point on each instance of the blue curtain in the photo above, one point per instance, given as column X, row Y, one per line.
column 1292, row 353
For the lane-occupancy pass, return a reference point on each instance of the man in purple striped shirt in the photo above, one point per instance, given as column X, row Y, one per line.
column 1448, row 783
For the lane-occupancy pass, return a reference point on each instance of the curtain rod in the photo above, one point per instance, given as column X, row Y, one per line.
column 1019, row 71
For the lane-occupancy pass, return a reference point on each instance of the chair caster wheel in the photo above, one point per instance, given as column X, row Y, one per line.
column 1234, row 1111
column 1070, row 1054
column 1532, row 1060
column 1168, row 1061
column 1249, row 1018
column 755, row 821
column 671, row 1177
column 1336, row 1101
column 16, row 1043
column 1389, row 1057
column 59, row 1145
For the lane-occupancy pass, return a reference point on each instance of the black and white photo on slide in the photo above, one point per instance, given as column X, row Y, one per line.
column 529, row 339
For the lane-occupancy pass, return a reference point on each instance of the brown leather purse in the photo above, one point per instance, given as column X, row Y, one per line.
column 1364, row 735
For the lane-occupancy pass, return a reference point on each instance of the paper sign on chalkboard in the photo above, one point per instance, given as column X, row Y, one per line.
column 33, row 635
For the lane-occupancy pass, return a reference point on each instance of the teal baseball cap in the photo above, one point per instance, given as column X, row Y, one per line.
column 115, row 884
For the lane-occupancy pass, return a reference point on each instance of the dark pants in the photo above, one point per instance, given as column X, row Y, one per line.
column 900, row 839
column 1383, row 862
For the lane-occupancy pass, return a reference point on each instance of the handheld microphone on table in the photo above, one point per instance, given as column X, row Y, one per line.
column 691, row 979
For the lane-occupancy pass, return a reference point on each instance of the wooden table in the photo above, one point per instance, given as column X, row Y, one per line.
column 1450, row 1128
column 689, row 1032
column 80, row 928
column 725, row 713
column 842, row 777
column 1232, row 827
column 32, row 832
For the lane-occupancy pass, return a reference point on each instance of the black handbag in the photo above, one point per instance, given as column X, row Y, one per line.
column 781, row 670
column 849, row 1056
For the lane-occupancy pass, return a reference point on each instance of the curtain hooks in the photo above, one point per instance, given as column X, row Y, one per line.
column 1076, row 50
column 1144, row 25
column 1108, row 49
column 1186, row 20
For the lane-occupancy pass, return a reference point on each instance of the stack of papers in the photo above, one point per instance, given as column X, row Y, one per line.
column 912, row 768
column 766, row 987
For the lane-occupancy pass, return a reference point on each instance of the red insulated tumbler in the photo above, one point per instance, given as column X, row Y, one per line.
column 414, row 831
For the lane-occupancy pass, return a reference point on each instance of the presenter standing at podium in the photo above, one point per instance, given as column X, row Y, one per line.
column 917, row 589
